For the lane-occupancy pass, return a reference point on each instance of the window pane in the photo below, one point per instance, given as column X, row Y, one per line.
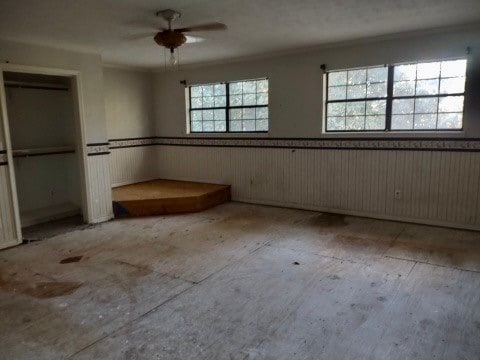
column 196, row 126
column 337, row 93
column 207, row 114
column 404, row 88
column 249, row 99
column 219, row 114
column 220, row 101
column 454, row 68
column 235, row 88
column 379, row 74
column 208, row 102
column 427, row 87
column 376, row 107
column 377, row 90
column 356, row 108
column 450, row 121
column 249, row 113
column 452, row 85
column 220, row 89
column 208, row 126
column 355, row 122
column 196, row 91
column 429, row 70
column 196, row 103
column 220, row 126
column 235, row 100
column 356, row 91
column 336, row 123
column 236, row 114
column 425, row 121
column 451, row 104
column 405, row 72
column 262, row 99
column 207, row 90
column 402, row 122
column 356, row 77
column 196, row 115
column 426, row 105
column 262, row 113
column 337, row 78
column 375, row 122
column 249, row 87
column 403, row 106
column 236, row 125
column 262, row 85
column 261, row 125
column 248, row 125
column 336, row 109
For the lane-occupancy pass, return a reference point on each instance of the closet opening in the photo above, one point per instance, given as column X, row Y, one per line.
column 46, row 150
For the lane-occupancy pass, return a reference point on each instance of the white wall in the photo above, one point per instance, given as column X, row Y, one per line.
column 129, row 112
column 295, row 80
column 128, row 103
column 91, row 75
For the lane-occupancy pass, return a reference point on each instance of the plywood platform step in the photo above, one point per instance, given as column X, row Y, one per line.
column 160, row 197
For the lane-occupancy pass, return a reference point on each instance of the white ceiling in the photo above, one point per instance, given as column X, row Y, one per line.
column 255, row 27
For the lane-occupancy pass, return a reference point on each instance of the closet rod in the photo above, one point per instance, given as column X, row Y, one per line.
column 29, row 85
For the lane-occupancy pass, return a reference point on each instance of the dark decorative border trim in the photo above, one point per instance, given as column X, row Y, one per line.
column 3, row 163
column 132, row 142
column 415, row 144
column 98, row 149
column 100, row 153
column 331, row 144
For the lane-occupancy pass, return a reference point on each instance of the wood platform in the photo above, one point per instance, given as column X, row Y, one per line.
column 160, row 197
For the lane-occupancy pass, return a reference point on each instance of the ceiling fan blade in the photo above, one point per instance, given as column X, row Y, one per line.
column 204, row 27
column 193, row 39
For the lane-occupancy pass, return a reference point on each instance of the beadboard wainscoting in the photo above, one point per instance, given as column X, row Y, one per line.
column 133, row 160
column 8, row 232
column 99, row 183
column 426, row 181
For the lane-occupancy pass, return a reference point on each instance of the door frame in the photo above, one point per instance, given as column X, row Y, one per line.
column 76, row 87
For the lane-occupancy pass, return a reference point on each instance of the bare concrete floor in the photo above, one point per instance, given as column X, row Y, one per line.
column 243, row 282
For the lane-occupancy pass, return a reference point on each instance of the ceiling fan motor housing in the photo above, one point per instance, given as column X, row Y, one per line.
column 170, row 39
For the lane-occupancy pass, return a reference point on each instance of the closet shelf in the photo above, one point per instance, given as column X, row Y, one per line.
column 43, row 151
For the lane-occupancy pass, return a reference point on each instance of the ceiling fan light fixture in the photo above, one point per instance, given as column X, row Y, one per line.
column 173, row 57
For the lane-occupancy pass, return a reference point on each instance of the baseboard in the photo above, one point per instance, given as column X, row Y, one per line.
column 359, row 214
column 101, row 219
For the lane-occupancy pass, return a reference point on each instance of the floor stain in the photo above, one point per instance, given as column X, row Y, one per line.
column 328, row 220
column 334, row 277
column 39, row 290
column 72, row 259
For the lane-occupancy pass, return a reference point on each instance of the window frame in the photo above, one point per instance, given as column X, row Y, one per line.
column 227, row 108
column 389, row 101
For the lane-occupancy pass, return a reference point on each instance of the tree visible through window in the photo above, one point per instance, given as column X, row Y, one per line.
column 408, row 97
column 240, row 106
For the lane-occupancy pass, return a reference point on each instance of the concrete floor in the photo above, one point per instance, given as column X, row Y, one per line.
column 243, row 282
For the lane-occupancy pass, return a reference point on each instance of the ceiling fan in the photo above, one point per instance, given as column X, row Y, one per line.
column 172, row 38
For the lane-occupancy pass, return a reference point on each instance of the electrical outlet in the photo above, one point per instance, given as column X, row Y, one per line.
column 398, row 194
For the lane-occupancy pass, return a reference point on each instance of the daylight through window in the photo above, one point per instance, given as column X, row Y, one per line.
column 239, row 106
column 408, row 97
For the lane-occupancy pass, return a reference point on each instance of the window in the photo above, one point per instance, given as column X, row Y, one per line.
column 420, row 96
column 239, row 106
